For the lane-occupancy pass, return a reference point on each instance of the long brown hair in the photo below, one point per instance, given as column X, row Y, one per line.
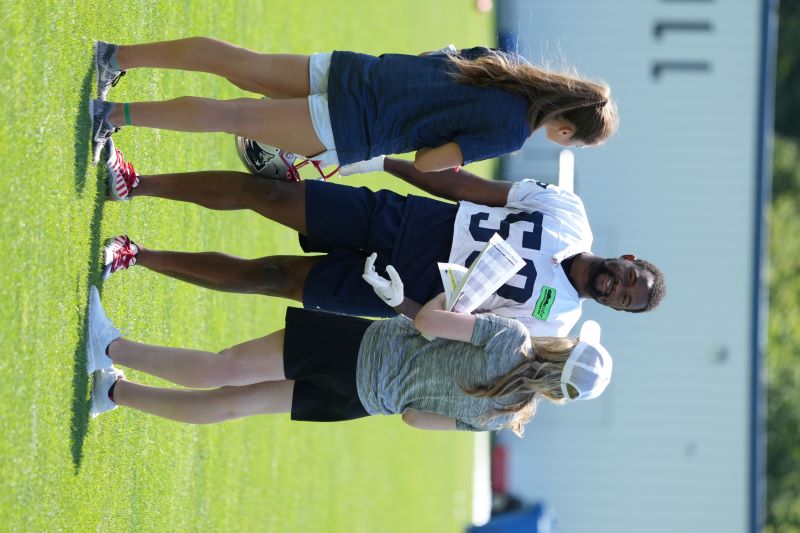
column 586, row 105
column 539, row 376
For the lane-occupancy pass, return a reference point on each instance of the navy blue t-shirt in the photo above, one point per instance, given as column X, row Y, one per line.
column 395, row 103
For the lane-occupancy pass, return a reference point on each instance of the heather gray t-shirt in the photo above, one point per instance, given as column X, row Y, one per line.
column 399, row 369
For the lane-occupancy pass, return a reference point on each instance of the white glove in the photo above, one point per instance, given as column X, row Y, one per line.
column 389, row 290
column 362, row 167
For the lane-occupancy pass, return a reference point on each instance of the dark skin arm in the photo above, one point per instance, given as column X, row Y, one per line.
column 452, row 185
column 409, row 308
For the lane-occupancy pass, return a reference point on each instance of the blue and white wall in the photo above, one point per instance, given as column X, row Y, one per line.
column 675, row 443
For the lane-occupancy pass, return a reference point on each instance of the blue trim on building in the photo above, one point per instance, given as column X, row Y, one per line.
column 766, row 112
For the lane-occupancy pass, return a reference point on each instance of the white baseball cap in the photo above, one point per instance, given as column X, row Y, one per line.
column 588, row 367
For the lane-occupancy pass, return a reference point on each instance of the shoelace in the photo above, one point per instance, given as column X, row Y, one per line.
column 109, row 132
column 127, row 171
column 123, row 256
column 115, row 81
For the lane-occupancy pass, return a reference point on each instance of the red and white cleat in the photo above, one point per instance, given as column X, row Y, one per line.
column 119, row 253
column 121, row 176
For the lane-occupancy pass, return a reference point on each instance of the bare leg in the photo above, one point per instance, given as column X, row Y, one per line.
column 244, row 364
column 273, row 75
column 284, row 123
column 281, row 201
column 206, row 406
column 281, row 275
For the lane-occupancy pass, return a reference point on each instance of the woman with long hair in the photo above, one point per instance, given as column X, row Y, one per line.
column 482, row 372
column 451, row 107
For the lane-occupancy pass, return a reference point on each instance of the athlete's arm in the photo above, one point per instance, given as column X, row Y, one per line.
column 425, row 420
column 452, row 185
column 409, row 308
column 433, row 321
column 440, row 158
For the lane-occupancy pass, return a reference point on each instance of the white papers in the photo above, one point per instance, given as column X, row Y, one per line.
column 465, row 289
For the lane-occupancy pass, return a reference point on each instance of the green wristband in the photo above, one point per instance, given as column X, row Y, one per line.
column 127, row 108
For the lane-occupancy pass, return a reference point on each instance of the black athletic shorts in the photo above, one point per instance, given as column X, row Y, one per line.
column 320, row 353
column 346, row 223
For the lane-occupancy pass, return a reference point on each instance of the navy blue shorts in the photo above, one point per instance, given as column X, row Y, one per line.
column 347, row 224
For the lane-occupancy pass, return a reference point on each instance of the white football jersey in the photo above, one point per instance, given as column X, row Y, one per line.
column 545, row 225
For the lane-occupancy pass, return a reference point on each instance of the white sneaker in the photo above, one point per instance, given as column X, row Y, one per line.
column 103, row 380
column 101, row 333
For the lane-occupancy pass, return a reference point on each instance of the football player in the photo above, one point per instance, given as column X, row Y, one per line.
column 546, row 225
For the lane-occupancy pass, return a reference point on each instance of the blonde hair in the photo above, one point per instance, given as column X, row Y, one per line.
column 586, row 105
column 538, row 377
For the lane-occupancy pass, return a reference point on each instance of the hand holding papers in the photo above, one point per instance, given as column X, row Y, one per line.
column 465, row 289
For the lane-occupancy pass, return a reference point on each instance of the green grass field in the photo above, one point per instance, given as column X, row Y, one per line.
column 126, row 470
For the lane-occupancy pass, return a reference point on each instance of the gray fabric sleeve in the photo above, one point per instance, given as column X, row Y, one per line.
column 463, row 426
column 488, row 326
column 493, row 424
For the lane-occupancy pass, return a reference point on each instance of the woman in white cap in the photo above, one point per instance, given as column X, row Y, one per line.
column 482, row 372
